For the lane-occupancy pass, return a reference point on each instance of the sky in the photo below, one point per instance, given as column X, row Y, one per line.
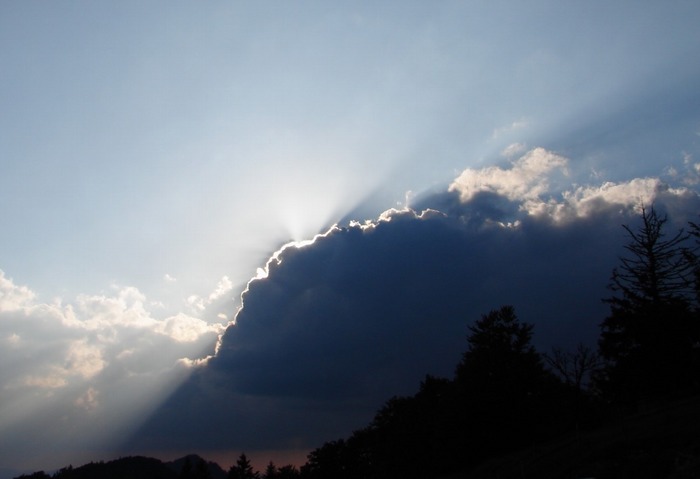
column 350, row 183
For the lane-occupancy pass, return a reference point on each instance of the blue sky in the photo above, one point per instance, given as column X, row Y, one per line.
column 154, row 155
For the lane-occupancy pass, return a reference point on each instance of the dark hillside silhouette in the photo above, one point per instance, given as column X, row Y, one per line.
column 660, row 443
column 132, row 467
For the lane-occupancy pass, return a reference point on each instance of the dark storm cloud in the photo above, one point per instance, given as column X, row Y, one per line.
column 365, row 311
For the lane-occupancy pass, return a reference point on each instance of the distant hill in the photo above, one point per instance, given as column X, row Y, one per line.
column 138, row 467
column 132, row 467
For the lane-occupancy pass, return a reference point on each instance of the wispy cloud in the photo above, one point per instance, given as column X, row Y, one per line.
column 504, row 130
column 198, row 304
column 513, row 149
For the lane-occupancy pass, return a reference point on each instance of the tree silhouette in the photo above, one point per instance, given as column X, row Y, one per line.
column 506, row 394
column 574, row 367
column 288, row 472
column 500, row 360
column 242, row 469
column 270, row 471
column 694, row 258
column 657, row 270
column 647, row 339
column 330, row 461
column 64, row 472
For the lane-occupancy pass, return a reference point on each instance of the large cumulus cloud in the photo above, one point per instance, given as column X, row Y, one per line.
column 333, row 327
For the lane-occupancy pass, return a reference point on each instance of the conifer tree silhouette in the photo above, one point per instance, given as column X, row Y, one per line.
column 647, row 340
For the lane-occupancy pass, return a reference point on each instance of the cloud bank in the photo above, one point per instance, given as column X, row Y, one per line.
column 333, row 327
column 81, row 375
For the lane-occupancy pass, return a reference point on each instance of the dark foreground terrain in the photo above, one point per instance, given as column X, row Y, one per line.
column 661, row 442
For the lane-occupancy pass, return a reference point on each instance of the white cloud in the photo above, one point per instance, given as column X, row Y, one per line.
column 637, row 191
column 54, row 380
column 223, row 286
column 13, row 297
column 183, row 328
column 52, row 346
column 527, row 178
column 195, row 303
column 199, row 304
column 528, row 182
column 516, row 125
column 691, row 175
column 89, row 400
column 688, row 173
column 102, row 312
column 84, row 359
column 513, row 150
column 586, row 200
column 687, row 157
